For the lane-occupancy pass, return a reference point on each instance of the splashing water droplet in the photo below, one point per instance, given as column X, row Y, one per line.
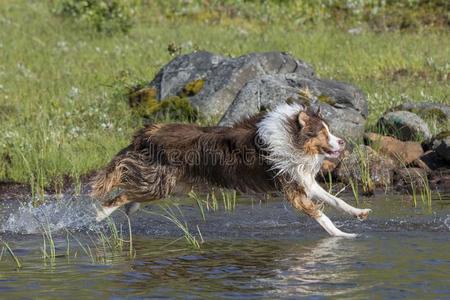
column 447, row 222
column 74, row 213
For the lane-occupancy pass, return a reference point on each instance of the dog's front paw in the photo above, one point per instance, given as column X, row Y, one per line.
column 362, row 214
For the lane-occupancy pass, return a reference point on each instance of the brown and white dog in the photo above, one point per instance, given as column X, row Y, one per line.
column 281, row 150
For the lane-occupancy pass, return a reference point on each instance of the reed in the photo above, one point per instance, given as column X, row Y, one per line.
column 367, row 184
column 420, row 191
column 12, row 254
column 229, row 200
column 200, row 203
column 419, row 185
column 177, row 218
column 214, row 202
column 355, row 190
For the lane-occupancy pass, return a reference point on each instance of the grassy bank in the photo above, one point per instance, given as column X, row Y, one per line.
column 61, row 112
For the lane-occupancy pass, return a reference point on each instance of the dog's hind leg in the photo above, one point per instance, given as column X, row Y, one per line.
column 320, row 194
column 300, row 201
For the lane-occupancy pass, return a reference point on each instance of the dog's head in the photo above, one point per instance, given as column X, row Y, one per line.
column 315, row 137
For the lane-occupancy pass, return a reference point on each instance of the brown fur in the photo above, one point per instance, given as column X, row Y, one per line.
column 161, row 155
column 296, row 195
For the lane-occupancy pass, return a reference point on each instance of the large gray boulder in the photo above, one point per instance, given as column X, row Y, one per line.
column 221, row 77
column 233, row 88
column 343, row 106
column 404, row 125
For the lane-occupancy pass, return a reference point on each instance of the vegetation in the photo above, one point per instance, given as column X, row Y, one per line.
column 11, row 253
column 177, row 218
column 99, row 245
column 64, row 65
column 107, row 16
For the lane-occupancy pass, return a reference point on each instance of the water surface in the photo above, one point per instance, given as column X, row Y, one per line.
column 261, row 250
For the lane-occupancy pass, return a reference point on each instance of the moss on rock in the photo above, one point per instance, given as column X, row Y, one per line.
column 326, row 99
column 193, row 88
column 432, row 113
column 142, row 95
column 443, row 135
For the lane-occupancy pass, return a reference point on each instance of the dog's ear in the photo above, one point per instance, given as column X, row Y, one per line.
column 303, row 118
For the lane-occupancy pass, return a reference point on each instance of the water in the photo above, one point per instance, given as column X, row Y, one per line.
column 262, row 250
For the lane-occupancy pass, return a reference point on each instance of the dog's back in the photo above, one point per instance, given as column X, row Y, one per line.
column 162, row 154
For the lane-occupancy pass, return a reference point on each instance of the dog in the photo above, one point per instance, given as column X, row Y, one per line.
column 281, row 150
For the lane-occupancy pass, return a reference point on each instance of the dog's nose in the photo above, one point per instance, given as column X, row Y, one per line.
column 341, row 142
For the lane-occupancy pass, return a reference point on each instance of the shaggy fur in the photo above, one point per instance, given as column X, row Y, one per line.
column 278, row 151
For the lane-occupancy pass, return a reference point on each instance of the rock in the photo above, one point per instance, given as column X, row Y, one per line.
column 403, row 153
column 440, row 180
column 441, row 144
column 405, row 126
column 246, row 85
column 410, row 178
column 363, row 161
column 426, row 109
column 343, row 106
column 434, row 161
column 221, row 77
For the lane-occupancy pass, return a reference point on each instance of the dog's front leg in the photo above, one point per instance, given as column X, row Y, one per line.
column 300, row 201
column 318, row 193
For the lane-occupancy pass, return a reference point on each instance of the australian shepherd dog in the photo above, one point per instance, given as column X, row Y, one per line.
column 281, row 150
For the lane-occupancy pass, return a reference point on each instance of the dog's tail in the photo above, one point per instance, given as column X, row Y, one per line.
column 109, row 177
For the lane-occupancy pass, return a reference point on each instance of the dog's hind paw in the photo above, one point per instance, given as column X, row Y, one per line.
column 363, row 214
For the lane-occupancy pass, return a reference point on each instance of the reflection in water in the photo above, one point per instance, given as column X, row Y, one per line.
column 322, row 268
column 275, row 269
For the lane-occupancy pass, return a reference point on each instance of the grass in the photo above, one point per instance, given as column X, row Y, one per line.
column 229, row 200
column 177, row 218
column 100, row 246
column 419, row 187
column 211, row 202
column 62, row 109
column 11, row 253
column 199, row 201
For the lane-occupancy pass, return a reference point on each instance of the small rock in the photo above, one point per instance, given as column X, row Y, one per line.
column 355, row 31
column 410, row 178
column 426, row 109
column 405, row 126
column 440, row 179
column 434, row 161
column 364, row 160
column 441, row 144
column 402, row 152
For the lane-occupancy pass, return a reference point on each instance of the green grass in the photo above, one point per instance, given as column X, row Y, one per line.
column 176, row 217
column 11, row 253
column 61, row 112
column 100, row 246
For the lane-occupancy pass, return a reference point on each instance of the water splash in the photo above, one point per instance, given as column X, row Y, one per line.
column 447, row 222
column 70, row 212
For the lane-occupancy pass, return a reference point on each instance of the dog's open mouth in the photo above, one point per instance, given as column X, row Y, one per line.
column 333, row 154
